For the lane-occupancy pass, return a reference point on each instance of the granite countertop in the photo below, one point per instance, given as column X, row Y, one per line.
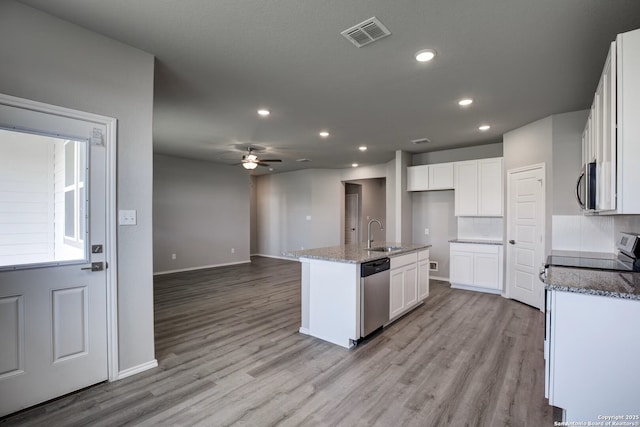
column 477, row 241
column 594, row 282
column 356, row 253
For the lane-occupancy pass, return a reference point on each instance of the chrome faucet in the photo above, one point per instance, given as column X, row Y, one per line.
column 369, row 239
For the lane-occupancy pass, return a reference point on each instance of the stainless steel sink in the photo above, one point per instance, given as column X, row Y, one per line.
column 384, row 249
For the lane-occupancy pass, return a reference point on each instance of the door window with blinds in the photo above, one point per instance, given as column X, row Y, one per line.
column 43, row 200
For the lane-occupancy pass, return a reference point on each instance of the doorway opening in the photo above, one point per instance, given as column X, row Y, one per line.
column 364, row 200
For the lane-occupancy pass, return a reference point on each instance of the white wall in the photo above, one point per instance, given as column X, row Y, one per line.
column 485, row 151
column 200, row 213
column 52, row 61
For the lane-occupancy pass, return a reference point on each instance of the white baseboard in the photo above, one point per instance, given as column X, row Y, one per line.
column 286, row 258
column 477, row 289
column 303, row 330
column 137, row 369
column 444, row 279
column 181, row 270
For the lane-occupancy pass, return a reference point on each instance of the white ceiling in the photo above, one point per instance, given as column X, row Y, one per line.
column 218, row 61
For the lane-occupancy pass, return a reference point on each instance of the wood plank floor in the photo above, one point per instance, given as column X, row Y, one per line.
column 229, row 354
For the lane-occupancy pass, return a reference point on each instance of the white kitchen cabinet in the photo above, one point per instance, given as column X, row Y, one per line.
column 479, row 187
column 430, row 177
column 418, row 178
column 423, row 275
column 403, row 286
column 591, row 348
column 611, row 133
column 476, row 267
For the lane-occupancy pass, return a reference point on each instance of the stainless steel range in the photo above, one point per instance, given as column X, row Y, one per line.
column 627, row 258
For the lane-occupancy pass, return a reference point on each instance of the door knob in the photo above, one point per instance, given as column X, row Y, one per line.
column 512, row 242
column 95, row 266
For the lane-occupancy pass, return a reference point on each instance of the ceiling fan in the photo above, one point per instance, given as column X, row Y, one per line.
column 251, row 161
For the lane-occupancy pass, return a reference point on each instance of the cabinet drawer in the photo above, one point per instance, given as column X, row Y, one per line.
column 423, row 255
column 475, row 248
column 400, row 260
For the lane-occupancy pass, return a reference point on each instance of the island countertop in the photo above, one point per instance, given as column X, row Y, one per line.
column 355, row 253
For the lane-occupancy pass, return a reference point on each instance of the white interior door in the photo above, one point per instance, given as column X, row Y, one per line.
column 525, row 234
column 53, row 310
column 351, row 219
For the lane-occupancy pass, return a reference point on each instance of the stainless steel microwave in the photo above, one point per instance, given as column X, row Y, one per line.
column 586, row 187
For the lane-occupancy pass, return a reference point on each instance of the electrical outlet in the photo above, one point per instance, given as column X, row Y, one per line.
column 173, row 256
column 233, row 250
column 127, row 217
column 426, row 231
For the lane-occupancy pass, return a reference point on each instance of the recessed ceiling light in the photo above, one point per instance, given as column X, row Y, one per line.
column 264, row 112
column 270, row 169
column 354, row 165
column 484, row 127
column 324, row 134
column 303, row 160
column 362, row 148
column 425, row 55
column 465, row 101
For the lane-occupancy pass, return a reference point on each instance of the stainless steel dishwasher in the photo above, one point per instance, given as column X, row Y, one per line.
column 374, row 294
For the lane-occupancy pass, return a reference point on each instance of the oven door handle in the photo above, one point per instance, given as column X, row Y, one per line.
column 580, row 202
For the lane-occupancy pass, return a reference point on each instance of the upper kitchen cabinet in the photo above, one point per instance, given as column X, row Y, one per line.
column 610, row 138
column 430, row 177
column 479, row 187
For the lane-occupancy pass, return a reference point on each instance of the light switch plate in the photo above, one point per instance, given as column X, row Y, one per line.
column 128, row 217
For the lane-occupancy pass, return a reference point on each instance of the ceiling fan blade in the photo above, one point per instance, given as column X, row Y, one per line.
column 271, row 160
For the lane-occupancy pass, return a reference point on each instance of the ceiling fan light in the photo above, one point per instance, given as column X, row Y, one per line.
column 251, row 158
column 249, row 165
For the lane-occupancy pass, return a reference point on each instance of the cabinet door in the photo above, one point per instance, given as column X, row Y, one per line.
column 410, row 283
column 423, row 279
column 607, row 136
column 441, row 176
column 418, row 178
column 466, row 188
column 461, row 268
column 396, row 292
column 490, row 187
column 487, row 271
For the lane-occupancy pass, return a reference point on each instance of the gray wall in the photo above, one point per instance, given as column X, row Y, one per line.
column 529, row 145
column 201, row 213
column 49, row 60
column 435, row 210
column 372, row 199
column 567, row 160
column 458, row 154
column 285, row 201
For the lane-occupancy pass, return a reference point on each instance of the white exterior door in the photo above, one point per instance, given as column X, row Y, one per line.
column 53, row 308
column 525, row 235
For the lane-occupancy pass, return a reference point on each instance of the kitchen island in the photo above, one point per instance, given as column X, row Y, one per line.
column 331, row 291
column 592, row 343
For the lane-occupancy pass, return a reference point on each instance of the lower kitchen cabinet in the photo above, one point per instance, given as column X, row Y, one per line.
column 423, row 275
column 591, row 356
column 476, row 267
column 403, row 286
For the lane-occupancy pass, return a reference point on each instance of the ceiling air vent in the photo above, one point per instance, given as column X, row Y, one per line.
column 421, row 141
column 366, row 32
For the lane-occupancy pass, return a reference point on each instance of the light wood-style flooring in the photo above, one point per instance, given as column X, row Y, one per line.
column 229, row 351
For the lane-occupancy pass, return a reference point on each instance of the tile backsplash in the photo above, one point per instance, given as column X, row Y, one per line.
column 591, row 233
column 480, row 228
